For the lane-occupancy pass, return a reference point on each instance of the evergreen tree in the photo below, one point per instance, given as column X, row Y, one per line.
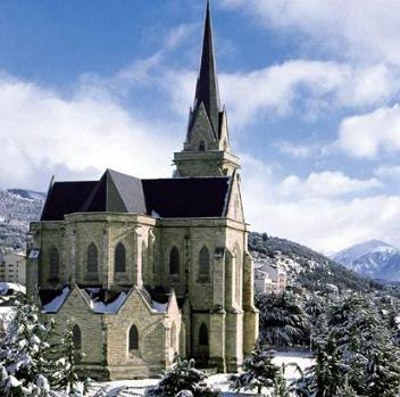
column 30, row 364
column 66, row 359
column 258, row 372
column 183, row 376
column 282, row 320
column 280, row 387
column 360, row 347
column 23, row 353
column 327, row 377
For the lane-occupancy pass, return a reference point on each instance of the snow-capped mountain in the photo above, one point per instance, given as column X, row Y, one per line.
column 27, row 194
column 375, row 259
column 18, row 207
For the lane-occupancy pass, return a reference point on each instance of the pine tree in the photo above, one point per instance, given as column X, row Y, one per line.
column 258, row 371
column 66, row 359
column 363, row 348
column 327, row 376
column 280, row 387
column 183, row 376
column 282, row 320
column 23, row 353
column 31, row 363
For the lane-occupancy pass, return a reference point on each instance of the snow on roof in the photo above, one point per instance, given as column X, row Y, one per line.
column 112, row 307
column 159, row 307
column 6, row 287
column 54, row 305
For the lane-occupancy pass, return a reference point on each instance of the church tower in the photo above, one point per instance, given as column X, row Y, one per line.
column 206, row 151
column 150, row 268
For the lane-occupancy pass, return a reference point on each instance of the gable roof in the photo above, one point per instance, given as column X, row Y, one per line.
column 116, row 192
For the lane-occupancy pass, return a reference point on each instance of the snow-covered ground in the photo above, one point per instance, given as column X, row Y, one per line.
column 5, row 287
column 128, row 388
column 303, row 360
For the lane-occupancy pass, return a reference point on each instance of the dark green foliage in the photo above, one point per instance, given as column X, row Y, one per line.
column 354, row 351
column 328, row 377
column 66, row 359
column 258, row 372
column 283, row 322
column 183, row 376
column 280, row 387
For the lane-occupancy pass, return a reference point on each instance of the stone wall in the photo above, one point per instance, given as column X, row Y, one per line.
column 221, row 299
column 91, row 325
column 155, row 351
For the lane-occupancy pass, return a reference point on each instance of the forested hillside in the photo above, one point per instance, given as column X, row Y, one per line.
column 307, row 268
column 17, row 208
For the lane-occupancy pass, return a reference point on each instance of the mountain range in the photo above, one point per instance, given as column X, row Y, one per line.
column 375, row 259
column 305, row 267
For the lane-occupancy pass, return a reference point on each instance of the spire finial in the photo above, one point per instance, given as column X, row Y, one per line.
column 207, row 84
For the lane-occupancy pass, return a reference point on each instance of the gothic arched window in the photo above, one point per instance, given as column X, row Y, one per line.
column 54, row 263
column 203, row 335
column 204, row 262
column 133, row 338
column 174, row 261
column 120, row 259
column 202, row 146
column 77, row 337
column 92, row 259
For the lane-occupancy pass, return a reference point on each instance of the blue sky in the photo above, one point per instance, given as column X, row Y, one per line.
column 311, row 88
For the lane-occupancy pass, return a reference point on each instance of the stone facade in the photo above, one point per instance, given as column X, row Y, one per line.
column 144, row 285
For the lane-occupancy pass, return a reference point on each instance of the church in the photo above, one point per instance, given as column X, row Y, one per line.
column 149, row 268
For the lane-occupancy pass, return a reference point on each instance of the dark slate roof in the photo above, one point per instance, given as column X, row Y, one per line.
column 65, row 198
column 158, row 294
column 48, row 295
column 131, row 192
column 98, row 294
column 115, row 192
column 186, row 197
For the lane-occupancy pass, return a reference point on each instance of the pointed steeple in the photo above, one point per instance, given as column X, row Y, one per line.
column 206, row 150
column 207, row 84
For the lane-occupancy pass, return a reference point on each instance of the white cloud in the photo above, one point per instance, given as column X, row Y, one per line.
column 278, row 89
column 367, row 135
column 41, row 131
column 325, row 222
column 324, row 184
column 366, row 30
column 388, row 171
column 295, row 150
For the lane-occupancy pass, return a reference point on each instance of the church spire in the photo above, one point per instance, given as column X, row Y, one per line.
column 207, row 91
column 206, row 150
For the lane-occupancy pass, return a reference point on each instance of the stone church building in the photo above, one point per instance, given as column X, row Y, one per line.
column 147, row 269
